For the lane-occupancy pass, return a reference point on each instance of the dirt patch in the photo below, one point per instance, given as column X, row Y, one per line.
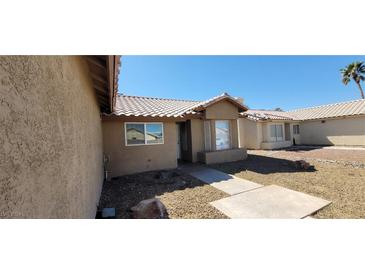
column 341, row 184
column 183, row 195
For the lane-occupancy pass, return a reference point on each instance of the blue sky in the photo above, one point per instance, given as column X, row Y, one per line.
column 265, row 82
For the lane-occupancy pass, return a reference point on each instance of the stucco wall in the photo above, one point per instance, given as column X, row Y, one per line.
column 223, row 110
column 197, row 138
column 345, row 131
column 222, row 156
column 134, row 159
column 250, row 133
column 51, row 140
column 256, row 135
column 234, row 133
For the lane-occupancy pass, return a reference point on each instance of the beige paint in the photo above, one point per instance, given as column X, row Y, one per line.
column 250, row 133
column 197, row 138
column 138, row 158
column 222, row 156
column 223, row 110
column 345, row 131
column 234, row 134
column 51, row 140
column 348, row 131
column 133, row 159
column 256, row 134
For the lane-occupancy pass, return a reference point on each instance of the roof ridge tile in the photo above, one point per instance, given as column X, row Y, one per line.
column 327, row 105
column 158, row 98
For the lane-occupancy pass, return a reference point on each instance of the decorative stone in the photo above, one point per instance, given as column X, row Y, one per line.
column 301, row 164
column 180, row 183
column 162, row 175
column 149, row 209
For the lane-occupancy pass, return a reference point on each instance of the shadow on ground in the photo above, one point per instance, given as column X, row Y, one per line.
column 124, row 192
column 300, row 148
column 260, row 164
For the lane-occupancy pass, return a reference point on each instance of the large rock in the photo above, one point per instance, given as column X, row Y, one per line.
column 301, row 164
column 149, row 209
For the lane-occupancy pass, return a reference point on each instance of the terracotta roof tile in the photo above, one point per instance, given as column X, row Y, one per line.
column 257, row 115
column 158, row 107
column 350, row 108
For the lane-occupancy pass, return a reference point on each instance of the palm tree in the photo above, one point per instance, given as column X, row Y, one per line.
column 355, row 71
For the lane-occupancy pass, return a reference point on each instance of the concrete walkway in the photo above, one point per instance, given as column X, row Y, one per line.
column 223, row 181
column 270, row 202
column 252, row 200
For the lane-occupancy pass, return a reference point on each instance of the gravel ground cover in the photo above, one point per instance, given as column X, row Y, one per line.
column 184, row 196
column 338, row 182
column 339, row 155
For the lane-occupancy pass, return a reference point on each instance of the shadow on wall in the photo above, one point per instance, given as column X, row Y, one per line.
column 260, row 164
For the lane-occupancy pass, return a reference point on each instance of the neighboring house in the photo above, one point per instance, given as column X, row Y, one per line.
column 340, row 124
column 265, row 129
column 146, row 133
column 51, row 154
column 334, row 124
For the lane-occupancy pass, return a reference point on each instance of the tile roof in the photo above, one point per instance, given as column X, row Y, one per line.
column 158, row 107
column 257, row 115
column 350, row 108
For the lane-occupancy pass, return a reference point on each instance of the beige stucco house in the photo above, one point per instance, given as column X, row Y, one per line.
column 146, row 133
column 63, row 127
column 261, row 129
column 51, row 152
column 340, row 124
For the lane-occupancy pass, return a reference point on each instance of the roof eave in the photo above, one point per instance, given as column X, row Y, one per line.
column 113, row 66
column 104, row 71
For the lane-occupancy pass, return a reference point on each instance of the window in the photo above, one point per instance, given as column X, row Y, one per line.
column 276, row 133
column 143, row 133
column 296, row 129
column 154, row 134
column 222, row 135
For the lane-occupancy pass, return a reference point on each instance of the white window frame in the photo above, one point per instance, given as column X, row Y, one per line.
column 276, row 138
column 145, row 132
